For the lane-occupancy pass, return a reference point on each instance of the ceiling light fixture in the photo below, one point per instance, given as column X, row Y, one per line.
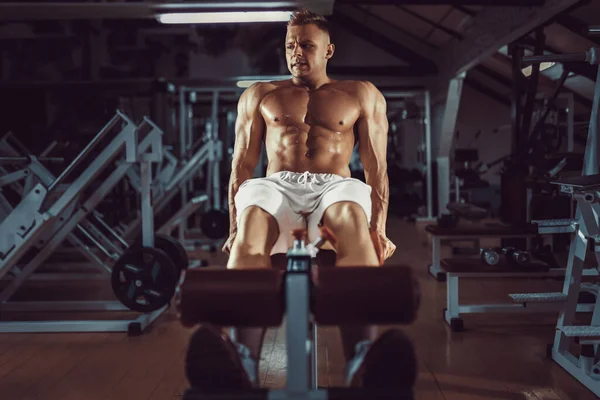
column 543, row 66
column 224, row 17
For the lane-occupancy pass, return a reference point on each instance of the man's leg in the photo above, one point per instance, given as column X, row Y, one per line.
column 349, row 224
column 215, row 362
column 257, row 232
column 384, row 362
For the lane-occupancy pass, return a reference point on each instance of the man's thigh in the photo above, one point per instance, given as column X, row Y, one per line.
column 346, row 190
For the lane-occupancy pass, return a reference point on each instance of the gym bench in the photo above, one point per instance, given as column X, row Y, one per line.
column 472, row 268
column 327, row 296
column 468, row 233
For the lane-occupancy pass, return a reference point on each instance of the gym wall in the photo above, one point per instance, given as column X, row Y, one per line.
column 480, row 112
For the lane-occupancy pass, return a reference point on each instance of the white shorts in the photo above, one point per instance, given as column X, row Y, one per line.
column 299, row 200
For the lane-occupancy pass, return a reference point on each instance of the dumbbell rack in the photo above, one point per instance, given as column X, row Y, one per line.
column 36, row 216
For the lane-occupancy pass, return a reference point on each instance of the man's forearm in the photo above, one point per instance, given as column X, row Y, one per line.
column 380, row 196
column 238, row 176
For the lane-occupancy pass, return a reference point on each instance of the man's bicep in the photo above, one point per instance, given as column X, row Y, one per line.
column 249, row 131
column 373, row 129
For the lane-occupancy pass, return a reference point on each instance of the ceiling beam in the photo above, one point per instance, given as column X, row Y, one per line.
column 508, row 82
column 464, row 10
column 483, row 89
column 576, row 26
column 489, row 30
column 390, row 30
column 449, row 31
column 383, row 41
column 498, row 77
column 396, row 28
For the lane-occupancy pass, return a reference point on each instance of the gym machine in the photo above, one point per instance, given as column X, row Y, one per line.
column 305, row 295
column 446, row 138
column 584, row 228
column 424, row 154
column 106, row 241
column 60, row 207
column 167, row 189
column 35, row 172
column 541, row 302
column 214, row 220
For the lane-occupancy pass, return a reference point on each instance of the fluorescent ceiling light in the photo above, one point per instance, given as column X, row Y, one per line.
column 247, row 84
column 224, row 17
column 543, row 66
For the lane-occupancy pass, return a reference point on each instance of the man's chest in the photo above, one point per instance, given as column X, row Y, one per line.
column 333, row 109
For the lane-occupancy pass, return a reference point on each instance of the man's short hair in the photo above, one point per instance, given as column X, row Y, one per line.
column 305, row 17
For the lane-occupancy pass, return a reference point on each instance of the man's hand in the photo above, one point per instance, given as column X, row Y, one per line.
column 387, row 247
column 227, row 246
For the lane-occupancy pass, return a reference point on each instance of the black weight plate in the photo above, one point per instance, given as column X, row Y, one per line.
column 174, row 250
column 171, row 247
column 215, row 224
column 144, row 279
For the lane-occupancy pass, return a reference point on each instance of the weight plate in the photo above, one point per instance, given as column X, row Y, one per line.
column 171, row 247
column 174, row 250
column 215, row 224
column 144, row 279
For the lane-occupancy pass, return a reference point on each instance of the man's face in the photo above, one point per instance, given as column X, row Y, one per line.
column 307, row 50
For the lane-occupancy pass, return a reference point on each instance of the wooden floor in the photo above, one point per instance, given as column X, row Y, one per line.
column 497, row 357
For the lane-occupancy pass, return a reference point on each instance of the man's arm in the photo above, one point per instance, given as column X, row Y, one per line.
column 372, row 130
column 249, row 132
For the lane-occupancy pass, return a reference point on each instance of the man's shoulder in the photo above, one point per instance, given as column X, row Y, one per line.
column 261, row 89
column 358, row 86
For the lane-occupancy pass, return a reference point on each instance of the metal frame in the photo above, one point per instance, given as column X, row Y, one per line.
column 38, row 171
column 394, row 94
column 522, row 303
column 40, row 215
column 171, row 189
column 586, row 367
column 187, row 95
column 445, row 141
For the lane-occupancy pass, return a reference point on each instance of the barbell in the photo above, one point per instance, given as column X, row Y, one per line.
column 592, row 56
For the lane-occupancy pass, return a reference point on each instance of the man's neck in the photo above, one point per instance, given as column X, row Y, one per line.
column 311, row 83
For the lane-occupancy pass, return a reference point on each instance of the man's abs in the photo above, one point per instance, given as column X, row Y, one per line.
column 309, row 131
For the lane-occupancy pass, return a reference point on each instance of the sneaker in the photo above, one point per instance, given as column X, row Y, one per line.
column 214, row 363
column 388, row 363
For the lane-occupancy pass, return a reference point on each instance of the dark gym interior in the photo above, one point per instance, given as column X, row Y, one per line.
column 122, row 134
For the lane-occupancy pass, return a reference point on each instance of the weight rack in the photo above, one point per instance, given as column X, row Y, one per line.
column 36, row 215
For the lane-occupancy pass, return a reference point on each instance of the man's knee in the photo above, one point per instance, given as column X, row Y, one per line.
column 257, row 230
column 346, row 216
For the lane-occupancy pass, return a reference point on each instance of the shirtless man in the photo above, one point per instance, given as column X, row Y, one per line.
column 310, row 124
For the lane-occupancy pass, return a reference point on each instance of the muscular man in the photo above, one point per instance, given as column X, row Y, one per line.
column 310, row 125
